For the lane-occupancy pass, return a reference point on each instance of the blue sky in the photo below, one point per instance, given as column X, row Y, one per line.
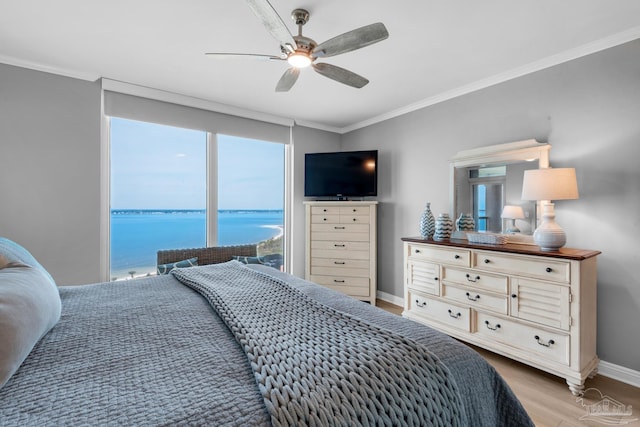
column 163, row 167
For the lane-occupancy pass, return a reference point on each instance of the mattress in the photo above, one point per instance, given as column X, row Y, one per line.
column 153, row 351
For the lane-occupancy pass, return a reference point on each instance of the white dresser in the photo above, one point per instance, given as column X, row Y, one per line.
column 341, row 247
column 535, row 307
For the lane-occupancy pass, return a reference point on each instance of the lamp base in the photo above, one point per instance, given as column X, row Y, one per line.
column 549, row 236
column 512, row 228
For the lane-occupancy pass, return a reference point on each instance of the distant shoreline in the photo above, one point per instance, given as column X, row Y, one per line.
column 138, row 233
column 174, row 211
column 279, row 228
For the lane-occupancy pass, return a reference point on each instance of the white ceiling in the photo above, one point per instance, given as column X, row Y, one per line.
column 436, row 49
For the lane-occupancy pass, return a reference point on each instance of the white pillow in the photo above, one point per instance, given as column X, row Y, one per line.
column 29, row 306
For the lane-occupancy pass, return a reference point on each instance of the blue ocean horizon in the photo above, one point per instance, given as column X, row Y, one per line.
column 137, row 234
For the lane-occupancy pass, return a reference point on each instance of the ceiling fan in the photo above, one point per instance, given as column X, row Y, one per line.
column 301, row 51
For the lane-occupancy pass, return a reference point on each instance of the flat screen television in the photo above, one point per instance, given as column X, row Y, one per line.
column 341, row 174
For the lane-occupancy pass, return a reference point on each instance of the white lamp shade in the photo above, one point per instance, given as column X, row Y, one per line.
column 512, row 212
column 550, row 184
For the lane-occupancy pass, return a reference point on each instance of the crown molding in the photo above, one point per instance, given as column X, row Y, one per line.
column 566, row 56
column 36, row 66
column 319, row 126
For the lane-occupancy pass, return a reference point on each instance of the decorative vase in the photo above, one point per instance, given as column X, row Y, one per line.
column 465, row 222
column 444, row 227
column 427, row 223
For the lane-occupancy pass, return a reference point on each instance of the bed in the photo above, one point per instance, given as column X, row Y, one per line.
column 240, row 345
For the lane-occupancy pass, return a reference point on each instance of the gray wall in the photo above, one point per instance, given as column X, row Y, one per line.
column 589, row 110
column 50, row 170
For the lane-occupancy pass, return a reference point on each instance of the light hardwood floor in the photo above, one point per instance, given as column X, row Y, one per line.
column 547, row 398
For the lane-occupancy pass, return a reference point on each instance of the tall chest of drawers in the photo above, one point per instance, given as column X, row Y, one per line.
column 341, row 247
column 535, row 307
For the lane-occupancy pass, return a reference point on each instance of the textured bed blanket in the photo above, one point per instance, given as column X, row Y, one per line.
column 153, row 352
column 318, row 366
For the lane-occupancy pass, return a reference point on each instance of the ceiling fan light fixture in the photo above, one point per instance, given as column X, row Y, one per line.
column 299, row 60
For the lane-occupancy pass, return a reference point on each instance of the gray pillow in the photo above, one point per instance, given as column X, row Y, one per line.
column 29, row 306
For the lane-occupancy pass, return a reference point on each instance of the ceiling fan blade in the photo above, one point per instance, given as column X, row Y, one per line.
column 352, row 40
column 288, row 79
column 251, row 56
column 273, row 23
column 340, row 75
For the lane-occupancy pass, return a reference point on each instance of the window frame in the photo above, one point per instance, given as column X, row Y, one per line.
column 211, row 196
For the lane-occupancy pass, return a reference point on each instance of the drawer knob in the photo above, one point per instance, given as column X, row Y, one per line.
column 548, row 269
column 354, row 220
column 436, row 279
column 324, row 210
column 337, row 245
column 456, row 256
column 421, row 304
column 487, row 260
column 493, row 328
column 514, row 296
column 338, row 281
column 339, row 262
column 418, row 251
column 339, row 227
column 470, row 298
column 472, row 279
column 324, row 219
column 455, row 316
column 547, row 344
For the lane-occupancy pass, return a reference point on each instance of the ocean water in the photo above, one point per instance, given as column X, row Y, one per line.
column 136, row 235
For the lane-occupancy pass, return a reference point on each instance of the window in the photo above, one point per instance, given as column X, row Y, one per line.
column 166, row 193
column 487, row 192
column 251, row 195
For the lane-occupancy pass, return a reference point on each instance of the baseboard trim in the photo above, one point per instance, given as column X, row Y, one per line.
column 619, row 373
column 606, row 369
column 392, row 299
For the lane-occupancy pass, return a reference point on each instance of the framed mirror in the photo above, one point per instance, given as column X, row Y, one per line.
column 483, row 180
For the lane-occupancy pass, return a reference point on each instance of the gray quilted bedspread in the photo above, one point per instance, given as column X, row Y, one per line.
column 313, row 363
column 153, row 352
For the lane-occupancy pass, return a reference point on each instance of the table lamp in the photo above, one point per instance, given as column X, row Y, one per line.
column 512, row 212
column 546, row 185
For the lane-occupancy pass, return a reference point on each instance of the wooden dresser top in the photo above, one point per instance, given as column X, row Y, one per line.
column 565, row 253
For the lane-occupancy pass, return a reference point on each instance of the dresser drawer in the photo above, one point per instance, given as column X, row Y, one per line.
column 341, row 245
column 423, row 276
column 355, row 286
column 444, row 312
column 340, row 262
column 325, row 210
column 339, row 250
column 325, row 219
column 342, row 271
column 354, row 210
column 340, row 236
column 549, row 345
column 460, row 257
column 340, row 232
column 476, row 298
column 340, row 228
column 340, row 254
column 354, row 219
column 541, row 302
column 476, row 279
column 537, row 267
